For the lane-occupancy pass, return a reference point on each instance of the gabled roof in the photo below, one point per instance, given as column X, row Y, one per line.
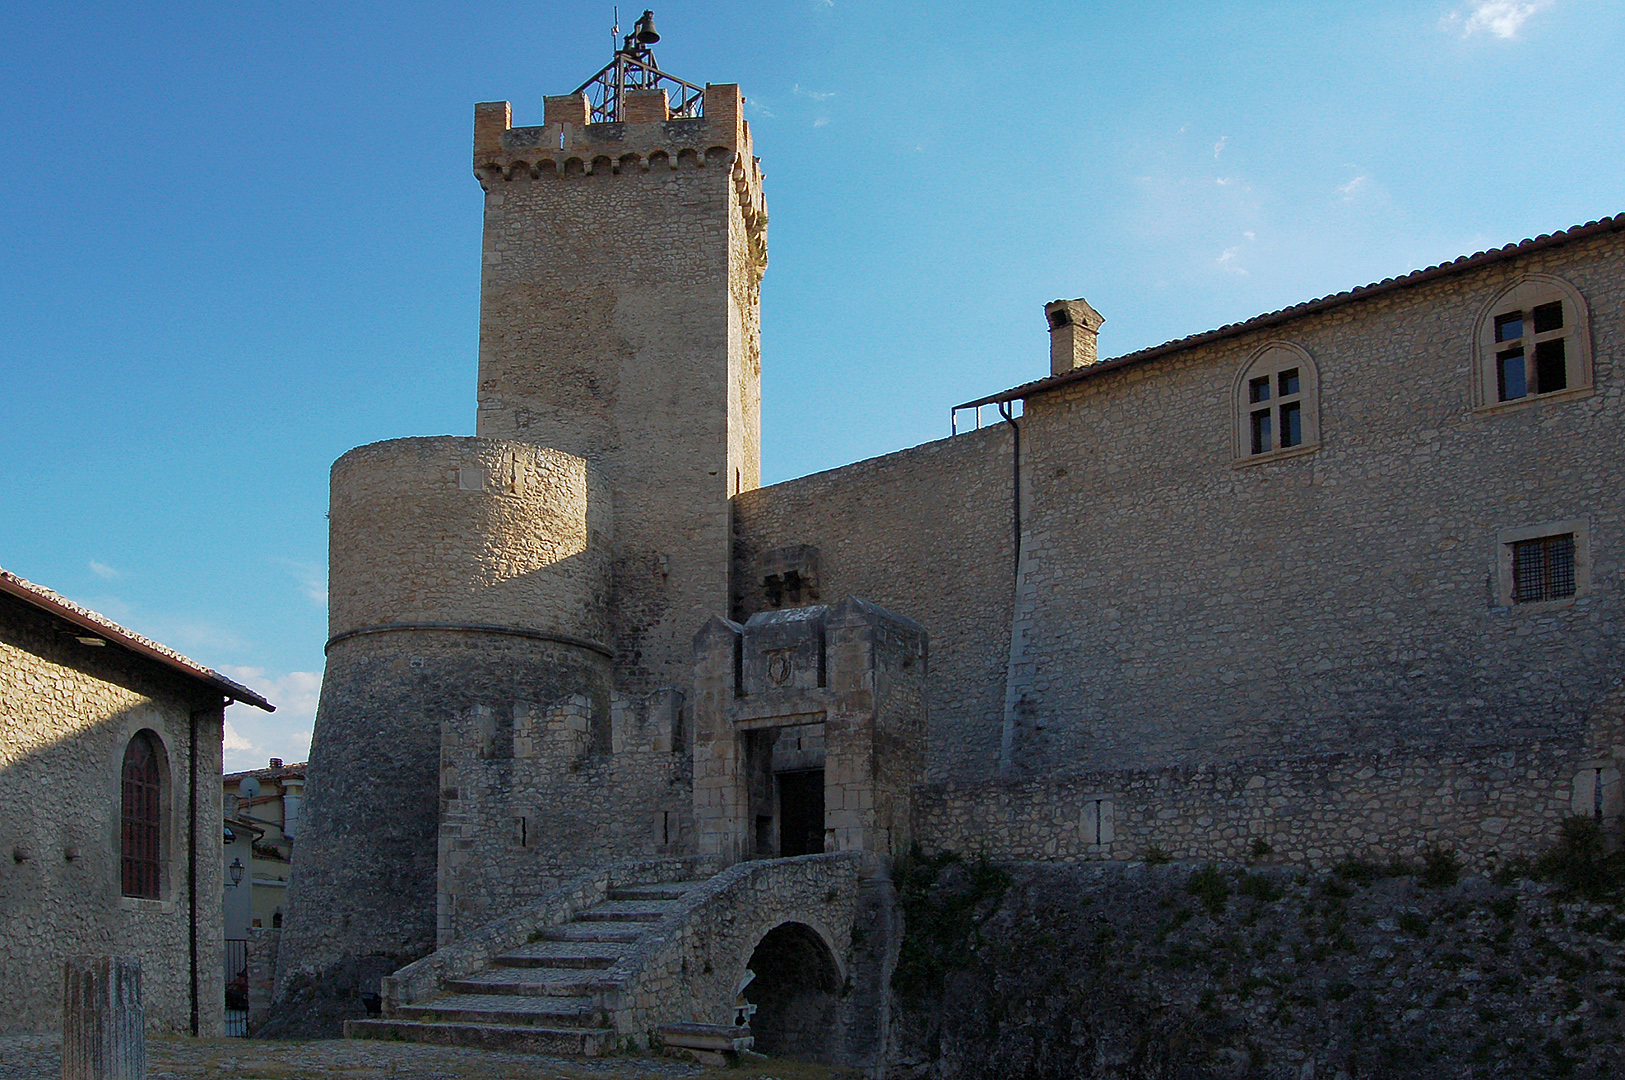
column 102, row 627
column 1274, row 318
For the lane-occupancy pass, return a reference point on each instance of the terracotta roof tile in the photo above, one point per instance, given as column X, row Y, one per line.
column 54, row 603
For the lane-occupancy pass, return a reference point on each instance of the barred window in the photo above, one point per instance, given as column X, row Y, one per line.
column 1543, row 569
column 142, row 817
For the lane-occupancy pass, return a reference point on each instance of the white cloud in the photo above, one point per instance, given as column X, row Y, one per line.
column 1218, row 147
column 295, row 693
column 1351, row 190
column 816, row 95
column 312, row 579
column 235, row 741
column 1227, row 261
column 103, row 571
column 253, row 736
column 821, row 121
column 1500, row 18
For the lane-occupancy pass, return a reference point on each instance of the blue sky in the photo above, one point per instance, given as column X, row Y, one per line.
column 241, row 238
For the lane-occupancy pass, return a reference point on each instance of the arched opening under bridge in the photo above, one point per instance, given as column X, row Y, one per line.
column 796, row 993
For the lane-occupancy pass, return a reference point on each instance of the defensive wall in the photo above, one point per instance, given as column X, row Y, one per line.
column 927, row 533
column 1313, row 650
column 1485, row 802
column 532, row 793
column 67, row 713
column 468, row 579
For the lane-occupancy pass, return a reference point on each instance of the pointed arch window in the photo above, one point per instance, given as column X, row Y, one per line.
column 141, row 818
column 1277, row 404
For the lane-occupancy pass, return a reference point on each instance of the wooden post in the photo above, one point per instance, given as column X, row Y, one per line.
column 103, row 1024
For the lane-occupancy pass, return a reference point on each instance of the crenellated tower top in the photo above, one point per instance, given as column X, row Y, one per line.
column 630, row 116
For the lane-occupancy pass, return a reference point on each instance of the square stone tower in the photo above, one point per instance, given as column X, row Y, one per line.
column 619, row 321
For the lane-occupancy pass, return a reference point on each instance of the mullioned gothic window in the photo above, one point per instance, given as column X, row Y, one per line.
column 1533, row 341
column 1277, row 404
column 141, row 817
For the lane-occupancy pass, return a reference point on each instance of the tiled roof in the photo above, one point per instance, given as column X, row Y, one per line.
column 1273, row 318
column 297, row 769
column 101, row 626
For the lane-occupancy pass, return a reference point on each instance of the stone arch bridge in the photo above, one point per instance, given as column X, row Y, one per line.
column 800, row 949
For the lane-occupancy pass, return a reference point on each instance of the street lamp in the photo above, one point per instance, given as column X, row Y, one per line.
column 236, row 871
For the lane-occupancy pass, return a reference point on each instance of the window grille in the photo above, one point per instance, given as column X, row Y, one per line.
column 1543, row 569
column 141, row 818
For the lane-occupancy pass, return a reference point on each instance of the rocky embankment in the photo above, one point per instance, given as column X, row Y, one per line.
column 1181, row 972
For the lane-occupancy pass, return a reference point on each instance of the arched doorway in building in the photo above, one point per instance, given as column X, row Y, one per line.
column 796, row 992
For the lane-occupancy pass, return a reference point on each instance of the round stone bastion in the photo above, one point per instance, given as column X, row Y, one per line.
column 469, row 579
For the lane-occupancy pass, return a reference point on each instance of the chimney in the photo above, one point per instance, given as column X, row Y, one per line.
column 1073, row 325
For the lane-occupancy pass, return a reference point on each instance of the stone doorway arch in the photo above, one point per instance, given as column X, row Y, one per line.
column 796, row 991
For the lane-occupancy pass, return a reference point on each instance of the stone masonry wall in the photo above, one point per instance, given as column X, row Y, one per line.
column 926, row 532
column 533, row 793
column 618, row 323
column 1499, row 800
column 463, row 530
column 467, row 574
column 1177, row 606
column 364, row 877
column 67, row 713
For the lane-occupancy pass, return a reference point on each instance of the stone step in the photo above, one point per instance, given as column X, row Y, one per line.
column 675, row 891
column 528, row 982
column 512, row 1010
column 581, row 1041
column 626, row 911
column 595, row 933
column 575, row 954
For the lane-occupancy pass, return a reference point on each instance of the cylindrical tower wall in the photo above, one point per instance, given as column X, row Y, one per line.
column 463, row 573
column 473, row 531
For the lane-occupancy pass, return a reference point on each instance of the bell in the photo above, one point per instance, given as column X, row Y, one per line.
column 644, row 31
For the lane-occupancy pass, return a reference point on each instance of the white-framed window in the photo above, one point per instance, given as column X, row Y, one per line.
column 1542, row 566
column 1533, row 342
column 1276, row 404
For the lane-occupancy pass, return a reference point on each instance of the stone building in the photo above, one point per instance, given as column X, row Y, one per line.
column 1340, row 579
column 109, row 753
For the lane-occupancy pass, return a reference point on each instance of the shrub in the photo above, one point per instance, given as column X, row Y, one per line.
column 1413, row 923
column 1260, row 888
column 940, row 916
column 1261, row 848
column 1210, row 887
column 1356, row 871
column 1154, row 855
column 1579, row 863
column 1440, row 868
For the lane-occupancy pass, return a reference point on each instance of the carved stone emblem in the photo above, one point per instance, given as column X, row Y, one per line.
column 778, row 667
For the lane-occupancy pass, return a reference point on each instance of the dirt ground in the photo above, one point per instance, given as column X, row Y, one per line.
column 34, row 1057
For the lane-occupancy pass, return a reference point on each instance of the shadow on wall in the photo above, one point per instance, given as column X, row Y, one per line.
column 95, row 839
column 796, row 993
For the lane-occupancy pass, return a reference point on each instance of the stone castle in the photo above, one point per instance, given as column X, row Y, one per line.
column 1343, row 579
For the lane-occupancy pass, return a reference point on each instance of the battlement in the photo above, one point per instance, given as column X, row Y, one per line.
column 566, row 144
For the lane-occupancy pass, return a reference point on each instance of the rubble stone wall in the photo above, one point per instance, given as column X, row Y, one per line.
column 67, row 713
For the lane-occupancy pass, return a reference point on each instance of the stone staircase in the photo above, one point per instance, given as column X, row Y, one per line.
column 547, row 995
